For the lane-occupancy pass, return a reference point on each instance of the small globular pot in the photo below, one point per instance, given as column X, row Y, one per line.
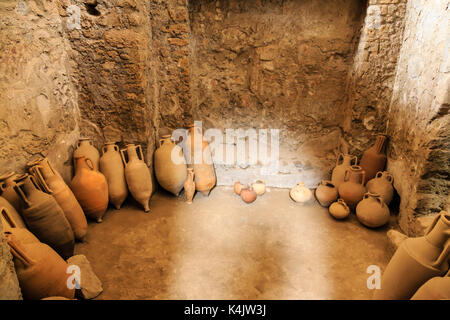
column 339, row 209
column 248, row 195
column 260, row 187
column 238, row 187
column 326, row 193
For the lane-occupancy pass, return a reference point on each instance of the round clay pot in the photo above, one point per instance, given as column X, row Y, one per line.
column 137, row 175
column 86, row 148
column 374, row 158
column 189, row 186
column 170, row 165
column 238, row 187
column 352, row 190
column 260, row 187
column 326, row 193
column 382, row 184
column 338, row 174
column 248, row 195
column 339, row 209
column 112, row 167
column 90, row 189
column 372, row 211
column 300, row 193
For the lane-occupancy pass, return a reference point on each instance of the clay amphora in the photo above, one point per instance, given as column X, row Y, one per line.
column 352, row 190
column 374, row 158
column 339, row 209
column 337, row 176
column 382, row 184
column 86, row 148
column 300, row 193
column 40, row 270
column 7, row 183
column 137, row 175
column 52, row 183
column 198, row 155
column 416, row 261
column 112, row 167
column 372, row 211
column 259, row 187
column 45, row 218
column 238, row 187
column 9, row 225
column 326, row 193
column 248, row 195
column 170, row 165
column 90, row 188
column 189, row 185
column 14, row 215
column 437, row 288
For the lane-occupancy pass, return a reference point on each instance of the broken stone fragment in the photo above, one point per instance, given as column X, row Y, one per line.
column 90, row 284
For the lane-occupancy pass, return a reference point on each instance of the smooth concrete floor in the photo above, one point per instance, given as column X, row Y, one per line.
column 219, row 247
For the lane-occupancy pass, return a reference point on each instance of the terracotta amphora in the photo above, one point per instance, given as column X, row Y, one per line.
column 416, row 261
column 372, row 211
column 238, row 187
column 339, row 209
column 51, row 182
column 9, row 225
column 382, row 184
column 137, row 175
column 248, row 195
column 44, row 217
column 198, row 156
column 326, row 193
column 40, row 270
column 170, row 165
column 112, row 167
column 259, row 186
column 90, row 188
column 300, row 193
column 7, row 183
column 14, row 215
column 189, row 186
column 86, row 148
column 437, row 288
column 337, row 176
column 374, row 158
column 352, row 190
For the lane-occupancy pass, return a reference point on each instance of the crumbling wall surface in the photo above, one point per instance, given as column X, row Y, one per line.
column 275, row 65
column 371, row 80
column 419, row 120
column 38, row 104
column 9, row 285
column 110, row 43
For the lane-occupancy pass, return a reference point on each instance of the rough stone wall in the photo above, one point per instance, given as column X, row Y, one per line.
column 38, row 104
column 418, row 118
column 371, row 80
column 278, row 65
column 111, row 50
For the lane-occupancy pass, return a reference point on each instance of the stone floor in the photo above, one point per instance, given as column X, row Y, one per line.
column 221, row 248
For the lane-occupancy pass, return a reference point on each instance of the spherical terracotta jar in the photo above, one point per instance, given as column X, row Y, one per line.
column 339, row 209
column 374, row 158
column 352, row 190
column 137, row 175
column 44, row 217
column 338, row 174
column 86, row 148
column 14, row 215
column 90, row 189
column 416, row 261
column 112, row 167
column 372, row 211
column 259, row 187
column 300, row 193
column 189, row 186
column 52, row 183
column 40, row 270
column 437, row 288
column 9, row 225
column 198, row 156
column 238, row 187
column 170, row 165
column 248, row 195
column 382, row 184
column 326, row 193
column 7, row 183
